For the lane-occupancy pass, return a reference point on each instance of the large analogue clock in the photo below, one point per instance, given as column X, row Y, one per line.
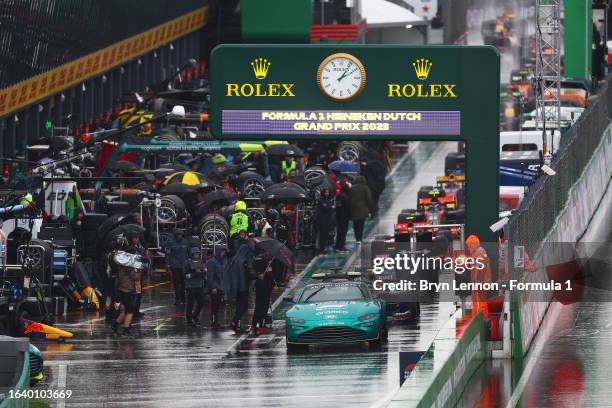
column 341, row 77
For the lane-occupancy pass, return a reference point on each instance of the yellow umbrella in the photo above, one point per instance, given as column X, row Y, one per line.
column 190, row 178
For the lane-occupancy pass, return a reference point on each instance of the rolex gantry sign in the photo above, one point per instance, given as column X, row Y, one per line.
column 351, row 92
column 357, row 92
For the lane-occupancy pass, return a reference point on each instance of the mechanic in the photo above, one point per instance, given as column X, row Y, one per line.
column 194, row 276
column 287, row 166
column 479, row 275
column 236, row 279
column 215, row 269
column 238, row 221
column 326, row 218
column 177, row 252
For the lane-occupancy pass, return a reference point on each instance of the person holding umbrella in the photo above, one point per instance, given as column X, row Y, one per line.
column 263, row 293
column 193, row 274
column 215, row 270
column 281, row 255
column 237, row 277
column 177, row 252
column 129, row 287
column 136, row 247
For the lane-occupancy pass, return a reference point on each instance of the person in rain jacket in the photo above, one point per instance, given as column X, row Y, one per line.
column 263, row 292
column 236, row 280
column 177, row 252
column 361, row 205
column 343, row 214
column 195, row 279
column 375, row 173
column 215, row 270
column 326, row 217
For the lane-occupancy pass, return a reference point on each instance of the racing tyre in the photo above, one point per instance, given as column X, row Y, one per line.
column 383, row 336
column 172, row 209
column 214, row 231
column 251, row 184
column 38, row 255
column 314, row 175
column 349, row 151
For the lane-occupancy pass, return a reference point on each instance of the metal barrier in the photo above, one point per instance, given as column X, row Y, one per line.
column 537, row 213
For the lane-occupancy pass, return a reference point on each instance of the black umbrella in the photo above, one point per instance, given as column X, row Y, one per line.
column 284, row 193
column 219, row 197
column 109, row 224
column 274, row 249
column 123, row 165
column 124, row 230
column 283, row 149
column 286, row 186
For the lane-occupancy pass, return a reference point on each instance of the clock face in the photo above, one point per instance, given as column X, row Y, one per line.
column 341, row 77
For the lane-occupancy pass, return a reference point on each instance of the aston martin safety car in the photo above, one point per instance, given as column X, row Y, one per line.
column 335, row 310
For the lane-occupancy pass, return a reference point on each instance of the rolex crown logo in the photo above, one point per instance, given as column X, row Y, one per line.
column 422, row 67
column 260, row 67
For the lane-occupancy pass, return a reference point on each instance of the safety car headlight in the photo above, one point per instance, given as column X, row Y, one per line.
column 296, row 320
column 368, row 316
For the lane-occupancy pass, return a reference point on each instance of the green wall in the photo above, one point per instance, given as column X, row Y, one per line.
column 578, row 22
column 276, row 21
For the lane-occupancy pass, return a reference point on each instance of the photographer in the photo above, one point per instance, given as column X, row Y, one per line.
column 129, row 289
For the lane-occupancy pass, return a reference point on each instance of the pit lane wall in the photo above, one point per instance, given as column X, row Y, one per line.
column 571, row 237
column 439, row 378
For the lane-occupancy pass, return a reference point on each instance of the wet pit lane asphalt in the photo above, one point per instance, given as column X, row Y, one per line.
column 168, row 364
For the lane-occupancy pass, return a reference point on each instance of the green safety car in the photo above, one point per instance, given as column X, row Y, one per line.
column 335, row 311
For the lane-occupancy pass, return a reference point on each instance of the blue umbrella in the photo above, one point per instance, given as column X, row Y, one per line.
column 343, row 166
